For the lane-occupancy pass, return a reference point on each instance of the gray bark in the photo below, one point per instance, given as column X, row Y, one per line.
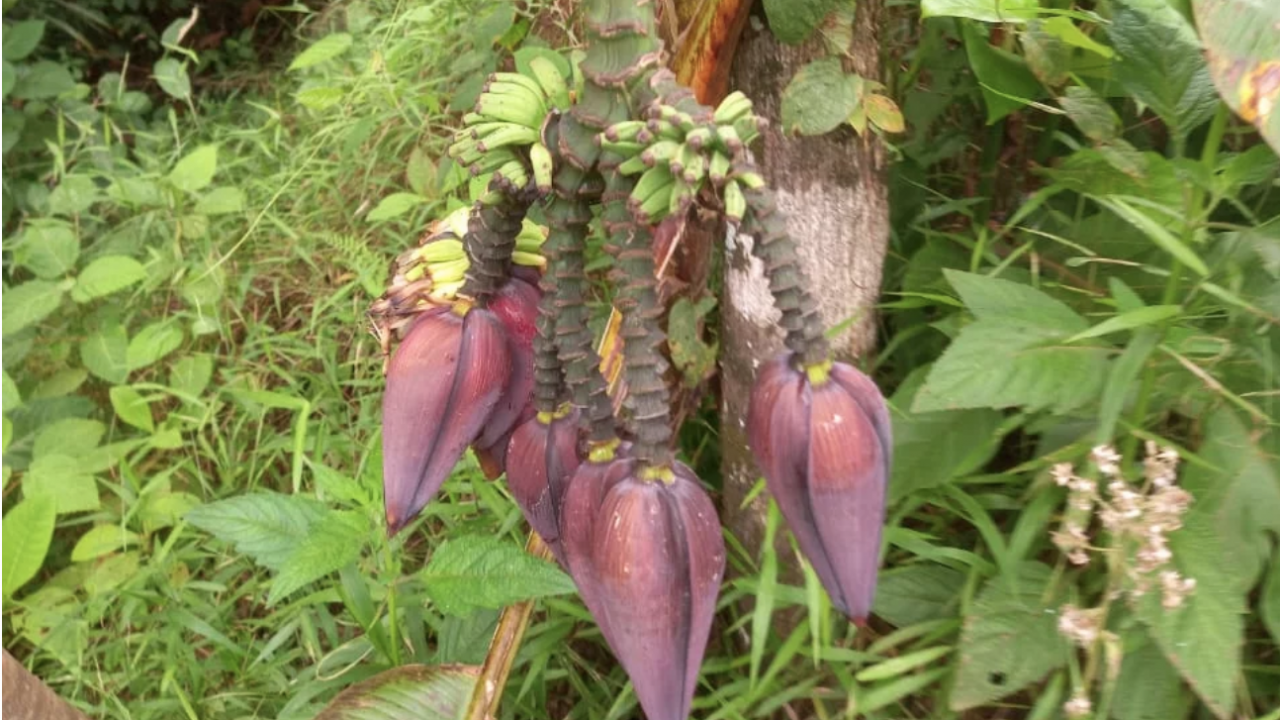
column 26, row 698
column 834, row 192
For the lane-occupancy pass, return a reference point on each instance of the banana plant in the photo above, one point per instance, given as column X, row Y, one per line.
column 486, row 360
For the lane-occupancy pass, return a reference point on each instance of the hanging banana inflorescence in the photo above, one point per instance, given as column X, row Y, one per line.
column 496, row 353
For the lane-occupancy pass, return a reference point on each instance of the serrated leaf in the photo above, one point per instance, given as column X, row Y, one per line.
column 12, row 398
column 221, row 201
column 48, row 249
column 1064, row 29
column 395, row 205
column 107, row 275
column 72, row 437
column 488, row 572
column 1014, row 303
column 420, row 172
column 793, row 21
column 28, row 304
column 996, row 364
column 74, row 195
column 1150, row 687
column 819, row 98
column 265, row 526
column 1243, row 48
column 172, row 76
column 1006, row 81
column 1158, row 234
column 27, row 530
column 42, row 80
column 985, row 10
column 330, row 543
column 1091, row 113
column 918, row 593
column 1140, row 317
column 63, row 478
column 152, row 343
column 196, row 169
column 323, row 50
column 105, row 353
column 1010, row 638
column 22, row 38
column 932, row 448
column 190, row 375
column 102, row 540
column 1161, row 65
column 132, row 407
column 422, row 692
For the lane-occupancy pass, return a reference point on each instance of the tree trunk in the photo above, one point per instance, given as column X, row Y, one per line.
column 26, row 698
column 833, row 189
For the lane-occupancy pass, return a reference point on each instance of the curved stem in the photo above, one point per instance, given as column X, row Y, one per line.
column 491, row 239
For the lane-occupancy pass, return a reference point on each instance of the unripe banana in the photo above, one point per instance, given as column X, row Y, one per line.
column 448, row 272
column 650, row 182
column 654, row 208
column 482, row 130
column 719, row 167
column 665, row 130
column 748, row 128
column 699, row 137
column 528, row 259
column 462, row 147
column 439, row 251
column 506, row 108
column 751, row 179
column 682, row 195
column 734, row 106
column 633, row 166
column 515, row 78
column 660, row 152
column 543, row 166
column 695, row 167
column 472, row 118
column 510, row 135
column 626, row 148
column 552, row 82
column 729, row 139
column 513, row 172
column 735, row 203
column 520, row 92
column 624, row 130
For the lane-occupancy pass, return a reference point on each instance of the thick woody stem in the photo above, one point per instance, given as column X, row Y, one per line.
column 491, row 239
column 767, row 225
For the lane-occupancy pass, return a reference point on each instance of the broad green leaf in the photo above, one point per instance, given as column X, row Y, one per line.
column 48, row 249
column 792, row 21
column 330, row 543
column 28, row 304
column 324, row 49
column 165, row 509
column 395, row 205
column 529, row 52
column 918, row 593
column 265, row 526
column 27, row 530
column 102, row 540
column 152, row 343
column 420, row 172
column 112, row 572
column 932, row 448
column 190, row 375
column 819, row 98
column 7, row 81
column 1066, row 30
column 997, row 364
column 42, row 80
column 1010, row 639
column 72, row 437
column 62, row 382
column 105, row 353
column 1140, row 317
column 107, row 275
column 172, row 76
column 994, row 11
column 12, row 398
column 1123, row 374
column 1007, row 83
column 1241, row 39
column 63, row 478
column 221, row 201
column 74, row 195
column 1149, row 687
column 132, row 407
column 1048, row 57
column 21, row 39
column 1014, row 303
column 1161, row 65
column 1091, row 113
column 1269, row 603
column 1159, row 234
column 480, row 571
column 421, row 692
column 195, row 171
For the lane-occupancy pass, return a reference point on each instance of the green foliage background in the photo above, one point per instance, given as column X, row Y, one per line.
column 1085, row 250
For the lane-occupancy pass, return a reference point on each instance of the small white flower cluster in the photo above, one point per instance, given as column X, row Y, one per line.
column 1082, row 627
column 1138, row 518
column 1078, row 706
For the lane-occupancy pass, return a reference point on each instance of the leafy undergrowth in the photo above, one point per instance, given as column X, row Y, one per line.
column 193, row 495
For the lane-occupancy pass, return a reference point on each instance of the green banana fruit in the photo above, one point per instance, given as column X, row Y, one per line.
column 632, row 166
column 719, row 167
column 735, row 202
column 660, row 152
column 515, row 78
column 510, row 135
column 543, row 166
column 553, row 84
column 507, row 108
column 734, row 106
